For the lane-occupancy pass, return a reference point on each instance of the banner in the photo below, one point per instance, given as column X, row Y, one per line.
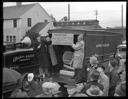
column 62, row 39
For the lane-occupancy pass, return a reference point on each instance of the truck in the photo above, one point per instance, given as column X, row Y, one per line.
column 20, row 58
column 97, row 42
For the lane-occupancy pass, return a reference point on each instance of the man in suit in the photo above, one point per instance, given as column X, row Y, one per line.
column 44, row 61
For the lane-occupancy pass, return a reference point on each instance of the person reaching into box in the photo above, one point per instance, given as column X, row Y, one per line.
column 78, row 56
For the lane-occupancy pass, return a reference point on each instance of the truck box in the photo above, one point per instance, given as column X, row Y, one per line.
column 100, row 42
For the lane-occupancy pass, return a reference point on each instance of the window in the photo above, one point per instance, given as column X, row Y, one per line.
column 14, row 38
column 84, row 23
column 14, row 23
column 96, row 23
column 73, row 23
column 10, row 38
column 87, row 23
column 46, row 21
column 29, row 22
column 7, row 38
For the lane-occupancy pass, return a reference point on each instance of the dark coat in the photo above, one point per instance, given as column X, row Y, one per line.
column 121, row 89
column 91, row 70
column 113, row 81
column 43, row 54
column 88, row 85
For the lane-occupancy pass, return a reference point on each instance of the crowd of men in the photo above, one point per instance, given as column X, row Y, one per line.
column 101, row 80
column 105, row 81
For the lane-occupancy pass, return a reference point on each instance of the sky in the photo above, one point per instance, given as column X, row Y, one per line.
column 109, row 13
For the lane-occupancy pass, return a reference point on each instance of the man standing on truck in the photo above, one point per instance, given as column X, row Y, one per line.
column 78, row 56
column 42, row 51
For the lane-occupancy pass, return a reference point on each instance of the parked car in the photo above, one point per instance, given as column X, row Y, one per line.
column 9, row 81
column 121, row 50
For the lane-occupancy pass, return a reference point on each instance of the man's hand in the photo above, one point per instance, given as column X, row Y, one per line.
column 39, row 46
column 73, row 45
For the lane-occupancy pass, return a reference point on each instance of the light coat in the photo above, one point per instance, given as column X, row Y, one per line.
column 104, row 80
column 78, row 55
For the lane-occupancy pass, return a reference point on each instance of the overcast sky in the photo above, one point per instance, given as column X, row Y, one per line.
column 109, row 13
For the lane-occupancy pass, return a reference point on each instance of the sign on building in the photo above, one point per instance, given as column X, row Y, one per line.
column 62, row 39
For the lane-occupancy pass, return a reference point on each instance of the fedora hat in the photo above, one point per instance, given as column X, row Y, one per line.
column 93, row 60
column 94, row 91
column 50, row 85
column 30, row 76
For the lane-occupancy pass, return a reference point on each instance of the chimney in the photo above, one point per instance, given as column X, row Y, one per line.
column 68, row 12
column 18, row 4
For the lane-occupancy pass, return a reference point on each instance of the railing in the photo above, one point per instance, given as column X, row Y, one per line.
column 14, row 46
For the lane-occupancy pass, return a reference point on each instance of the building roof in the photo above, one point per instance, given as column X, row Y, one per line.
column 84, row 27
column 12, row 12
column 79, row 24
column 79, row 31
column 82, row 20
column 38, row 27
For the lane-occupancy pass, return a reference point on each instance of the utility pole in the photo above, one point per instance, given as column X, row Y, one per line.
column 68, row 12
column 96, row 13
column 122, row 16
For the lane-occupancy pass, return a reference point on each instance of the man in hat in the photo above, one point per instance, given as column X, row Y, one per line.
column 44, row 60
column 94, row 76
column 92, row 65
column 121, row 66
column 104, row 80
column 94, row 91
column 113, row 76
column 78, row 57
column 121, row 89
column 51, row 55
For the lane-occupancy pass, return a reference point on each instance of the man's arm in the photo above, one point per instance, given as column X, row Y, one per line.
column 77, row 46
column 114, row 80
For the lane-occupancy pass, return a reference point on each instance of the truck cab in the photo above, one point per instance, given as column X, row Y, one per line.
column 20, row 58
column 121, row 50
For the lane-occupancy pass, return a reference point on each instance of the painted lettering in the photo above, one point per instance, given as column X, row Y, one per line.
column 102, row 45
